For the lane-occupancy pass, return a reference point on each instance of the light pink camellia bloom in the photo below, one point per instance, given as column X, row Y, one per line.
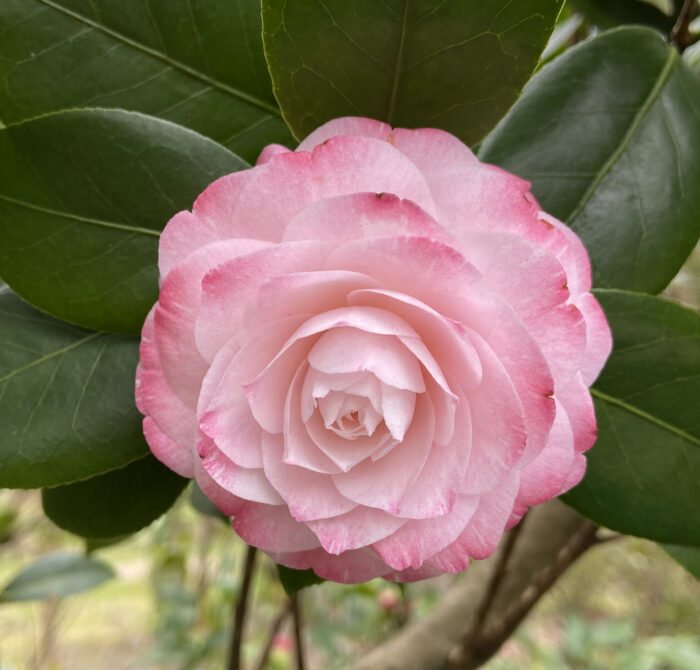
column 373, row 352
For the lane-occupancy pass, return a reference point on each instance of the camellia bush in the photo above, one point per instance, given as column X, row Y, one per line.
column 382, row 278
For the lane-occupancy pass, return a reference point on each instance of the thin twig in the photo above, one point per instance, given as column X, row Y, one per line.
column 234, row 661
column 274, row 629
column 462, row 652
column 680, row 33
column 298, row 642
column 494, row 636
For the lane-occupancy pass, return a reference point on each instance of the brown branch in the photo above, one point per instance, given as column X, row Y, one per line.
column 234, row 661
column 492, row 639
column 274, row 629
column 680, row 33
column 298, row 641
column 459, row 655
column 426, row 643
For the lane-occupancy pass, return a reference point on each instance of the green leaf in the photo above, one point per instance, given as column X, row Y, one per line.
column 610, row 13
column 294, row 581
column 454, row 64
column 609, row 135
column 56, row 576
column 643, row 471
column 66, row 399
column 199, row 64
column 83, row 196
column 205, row 506
column 96, row 543
column 688, row 557
column 116, row 503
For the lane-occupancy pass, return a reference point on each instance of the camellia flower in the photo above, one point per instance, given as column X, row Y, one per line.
column 373, row 352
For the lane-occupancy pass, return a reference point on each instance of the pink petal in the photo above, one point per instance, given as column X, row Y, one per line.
column 410, row 575
column 345, row 454
column 178, row 307
column 225, row 501
column 349, row 217
column 245, row 483
column 309, row 495
column 228, row 289
column 183, row 235
column 299, row 448
column 343, row 350
column 383, row 483
column 443, row 337
column 498, row 428
column 223, row 410
column 483, row 533
column 269, row 152
column 433, row 151
column 578, row 470
column 578, row 404
column 418, row 540
column 350, row 567
column 434, row 492
column 356, row 529
column 303, row 293
column 156, row 399
column 266, row 393
column 168, row 451
column 534, row 283
column 347, row 126
column 215, row 205
column 272, row 529
column 598, row 338
column 544, row 478
column 290, row 182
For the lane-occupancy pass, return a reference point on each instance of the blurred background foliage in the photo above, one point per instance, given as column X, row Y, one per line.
column 625, row 605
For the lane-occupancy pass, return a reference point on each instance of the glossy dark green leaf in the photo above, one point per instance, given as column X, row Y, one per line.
column 688, row 557
column 294, row 581
column 116, row 503
column 83, row 197
column 205, row 506
column 451, row 64
column 195, row 62
column 609, row 135
column 610, row 13
column 56, row 576
column 66, row 399
column 644, row 469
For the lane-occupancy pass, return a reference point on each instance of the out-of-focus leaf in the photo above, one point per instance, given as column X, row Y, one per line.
column 66, row 399
column 97, row 543
column 643, row 471
column 194, row 62
column 688, row 557
column 116, row 503
column 609, row 135
column 451, row 64
column 611, row 13
column 294, row 581
column 56, row 576
column 83, row 197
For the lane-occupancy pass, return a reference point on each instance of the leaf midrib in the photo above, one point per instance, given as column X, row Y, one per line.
column 214, row 83
column 81, row 219
column 636, row 411
column 670, row 64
